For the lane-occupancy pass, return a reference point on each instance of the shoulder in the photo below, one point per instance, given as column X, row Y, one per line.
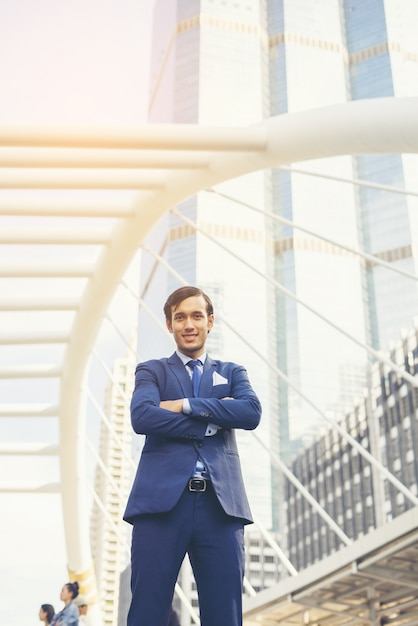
column 222, row 364
column 153, row 364
column 225, row 366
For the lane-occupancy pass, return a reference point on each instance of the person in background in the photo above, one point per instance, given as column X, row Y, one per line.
column 69, row 615
column 83, row 606
column 46, row 613
column 188, row 495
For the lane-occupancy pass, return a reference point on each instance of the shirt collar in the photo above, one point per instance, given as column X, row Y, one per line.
column 185, row 359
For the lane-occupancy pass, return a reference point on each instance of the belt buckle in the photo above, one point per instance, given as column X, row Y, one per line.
column 197, row 484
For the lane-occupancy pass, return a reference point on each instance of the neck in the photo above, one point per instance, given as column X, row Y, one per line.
column 193, row 355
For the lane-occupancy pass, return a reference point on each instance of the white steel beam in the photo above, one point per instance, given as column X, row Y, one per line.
column 30, row 371
column 80, row 179
column 152, row 136
column 37, row 304
column 115, row 159
column 381, row 125
column 28, row 449
column 63, row 206
column 29, row 410
column 29, row 488
column 39, row 269
column 42, row 236
column 357, row 182
column 34, row 338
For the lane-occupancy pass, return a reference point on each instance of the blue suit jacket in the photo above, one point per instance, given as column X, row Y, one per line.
column 175, row 440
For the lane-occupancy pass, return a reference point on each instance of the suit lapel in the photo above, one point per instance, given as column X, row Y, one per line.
column 180, row 372
column 206, row 382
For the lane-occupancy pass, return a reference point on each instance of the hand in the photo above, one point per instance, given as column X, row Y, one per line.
column 227, row 398
column 176, row 406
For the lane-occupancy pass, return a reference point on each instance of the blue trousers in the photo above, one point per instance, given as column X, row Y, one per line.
column 214, row 542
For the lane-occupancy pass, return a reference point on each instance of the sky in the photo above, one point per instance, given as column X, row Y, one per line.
column 70, row 63
column 74, row 62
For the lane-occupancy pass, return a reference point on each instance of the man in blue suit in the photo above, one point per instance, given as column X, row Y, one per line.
column 188, row 495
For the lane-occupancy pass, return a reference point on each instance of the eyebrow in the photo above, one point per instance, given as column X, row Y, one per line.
column 200, row 311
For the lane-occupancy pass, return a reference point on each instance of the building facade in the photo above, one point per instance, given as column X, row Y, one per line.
column 354, row 493
column 109, row 534
column 210, row 66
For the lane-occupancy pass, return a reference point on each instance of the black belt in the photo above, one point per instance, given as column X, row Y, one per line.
column 198, row 485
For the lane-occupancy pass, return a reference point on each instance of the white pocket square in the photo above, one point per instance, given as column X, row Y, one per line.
column 219, row 380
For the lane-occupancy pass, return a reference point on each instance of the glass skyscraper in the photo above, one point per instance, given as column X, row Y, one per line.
column 210, row 67
column 236, row 62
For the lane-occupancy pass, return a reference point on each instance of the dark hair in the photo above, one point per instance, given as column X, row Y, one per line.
column 49, row 610
column 181, row 294
column 72, row 588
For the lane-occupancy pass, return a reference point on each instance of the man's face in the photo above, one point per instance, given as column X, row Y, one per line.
column 190, row 325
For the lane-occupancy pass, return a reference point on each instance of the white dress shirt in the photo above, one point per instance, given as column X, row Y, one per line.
column 211, row 429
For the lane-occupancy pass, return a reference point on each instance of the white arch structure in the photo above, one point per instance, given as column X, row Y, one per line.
column 164, row 164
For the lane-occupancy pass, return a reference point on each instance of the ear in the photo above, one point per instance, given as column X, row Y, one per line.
column 169, row 326
column 211, row 321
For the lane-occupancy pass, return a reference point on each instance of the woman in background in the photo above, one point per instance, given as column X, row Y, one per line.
column 69, row 614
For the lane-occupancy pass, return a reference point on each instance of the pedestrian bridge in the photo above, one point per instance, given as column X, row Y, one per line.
column 372, row 581
column 76, row 206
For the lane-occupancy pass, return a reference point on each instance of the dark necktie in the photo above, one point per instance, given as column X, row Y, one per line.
column 197, row 375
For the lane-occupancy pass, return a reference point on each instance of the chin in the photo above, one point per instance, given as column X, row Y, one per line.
column 190, row 347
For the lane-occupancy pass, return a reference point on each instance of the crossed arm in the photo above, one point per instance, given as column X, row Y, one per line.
column 176, row 406
column 152, row 416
